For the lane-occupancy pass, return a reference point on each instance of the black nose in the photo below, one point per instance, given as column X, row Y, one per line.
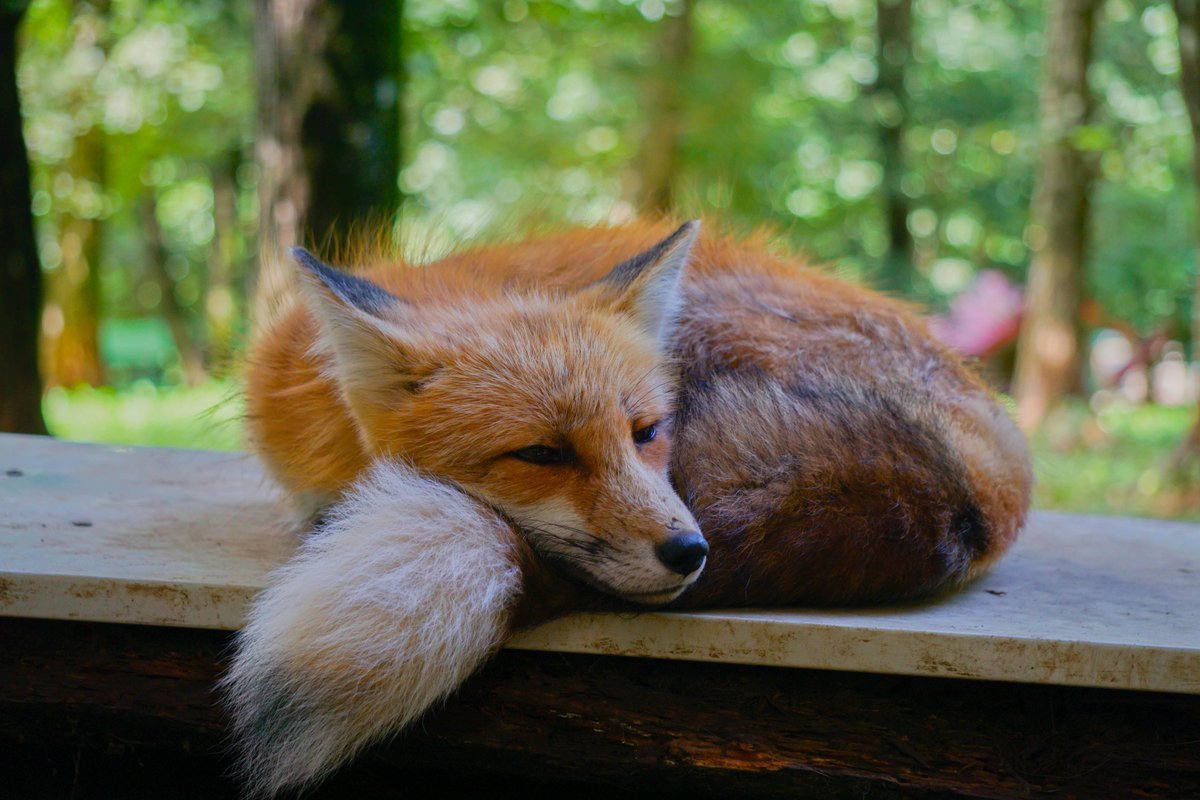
column 683, row 552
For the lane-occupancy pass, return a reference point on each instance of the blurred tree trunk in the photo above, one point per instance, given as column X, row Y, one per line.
column 71, row 317
column 1187, row 14
column 20, row 271
column 665, row 93
column 1049, row 361
column 191, row 354
column 893, row 33
column 220, row 306
column 328, row 150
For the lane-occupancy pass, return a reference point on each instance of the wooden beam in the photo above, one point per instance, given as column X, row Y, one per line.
column 647, row 726
column 176, row 537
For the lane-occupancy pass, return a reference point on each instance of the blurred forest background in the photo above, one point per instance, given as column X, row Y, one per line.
column 1026, row 170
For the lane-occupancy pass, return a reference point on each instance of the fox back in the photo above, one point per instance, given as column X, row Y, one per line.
column 631, row 400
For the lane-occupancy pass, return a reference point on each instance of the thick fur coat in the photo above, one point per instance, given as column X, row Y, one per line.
column 526, row 429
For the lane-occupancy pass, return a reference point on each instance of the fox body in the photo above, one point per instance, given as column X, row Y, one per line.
column 594, row 418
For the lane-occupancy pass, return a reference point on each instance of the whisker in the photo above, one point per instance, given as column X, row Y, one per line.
column 663, row 386
column 560, row 526
column 589, row 549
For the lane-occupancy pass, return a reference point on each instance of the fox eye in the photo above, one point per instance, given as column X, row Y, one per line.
column 541, row 454
column 646, row 434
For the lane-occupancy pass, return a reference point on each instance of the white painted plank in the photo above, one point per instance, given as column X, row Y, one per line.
column 133, row 534
column 174, row 537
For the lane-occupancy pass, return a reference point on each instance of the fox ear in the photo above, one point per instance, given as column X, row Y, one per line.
column 648, row 285
column 349, row 290
column 362, row 325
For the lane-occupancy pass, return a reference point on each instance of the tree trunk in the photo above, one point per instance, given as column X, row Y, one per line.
column 1049, row 363
column 893, row 32
column 71, row 317
column 1187, row 14
column 220, row 304
column 20, row 271
column 328, row 148
column 191, row 354
column 666, row 88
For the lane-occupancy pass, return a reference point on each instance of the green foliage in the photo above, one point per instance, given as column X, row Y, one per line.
column 168, row 84
column 138, row 346
column 534, row 107
column 534, row 110
column 206, row 417
column 1144, row 230
column 1117, row 461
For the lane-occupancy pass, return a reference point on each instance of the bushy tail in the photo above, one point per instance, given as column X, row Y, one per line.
column 836, row 492
column 403, row 594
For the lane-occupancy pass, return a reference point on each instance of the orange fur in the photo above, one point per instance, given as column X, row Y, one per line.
column 829, row 448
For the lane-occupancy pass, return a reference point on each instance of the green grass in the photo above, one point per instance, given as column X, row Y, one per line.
column 1111, row 462
column 1117, row 461
column 207, row 417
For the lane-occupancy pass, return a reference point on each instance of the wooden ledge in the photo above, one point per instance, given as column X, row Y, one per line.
column 185, row 538
column 135, row 704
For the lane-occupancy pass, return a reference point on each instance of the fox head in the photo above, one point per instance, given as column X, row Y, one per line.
column 554, row 408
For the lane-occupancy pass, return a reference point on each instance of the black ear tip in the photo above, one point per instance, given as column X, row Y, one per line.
column 687, row 232
column 307, row 260
column 350, row 289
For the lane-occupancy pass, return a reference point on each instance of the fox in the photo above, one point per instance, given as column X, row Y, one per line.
column 636, row 416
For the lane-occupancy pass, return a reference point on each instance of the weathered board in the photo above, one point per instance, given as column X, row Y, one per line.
column 185, row 538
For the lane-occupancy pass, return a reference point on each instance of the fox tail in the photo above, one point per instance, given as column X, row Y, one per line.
column 404, row 592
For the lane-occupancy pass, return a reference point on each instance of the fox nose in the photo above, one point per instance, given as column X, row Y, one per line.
column 683, row 552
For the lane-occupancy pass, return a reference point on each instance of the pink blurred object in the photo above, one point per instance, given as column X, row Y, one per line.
column 984, row 318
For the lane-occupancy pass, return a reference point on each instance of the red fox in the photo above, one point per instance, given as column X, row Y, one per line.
column 590, row 420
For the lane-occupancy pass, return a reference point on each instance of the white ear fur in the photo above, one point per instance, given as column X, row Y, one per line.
column 651, row 282
column 405, row 592
column 373, row 358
